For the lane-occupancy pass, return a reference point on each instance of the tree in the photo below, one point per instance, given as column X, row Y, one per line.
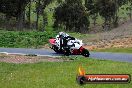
column 29, row 13
column 107, row 9
column 121, row 2
column 44, row 3
column 37, row 13
column 59, row 1
column 14, row 8
column 40, row 7
column 129, row 8
column 118, row 4
column 72, row 15
column 92, row 9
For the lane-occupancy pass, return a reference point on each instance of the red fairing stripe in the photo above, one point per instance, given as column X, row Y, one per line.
column 75, row 51
column 81, row 49
column 52, row 41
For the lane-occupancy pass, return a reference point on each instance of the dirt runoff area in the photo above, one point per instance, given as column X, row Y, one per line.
column 125, row 42
column 120, row 37
column 21, row 59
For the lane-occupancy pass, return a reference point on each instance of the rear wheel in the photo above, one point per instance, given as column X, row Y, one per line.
column 67, row 51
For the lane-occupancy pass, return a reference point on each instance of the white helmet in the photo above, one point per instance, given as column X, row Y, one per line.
column 61, row 33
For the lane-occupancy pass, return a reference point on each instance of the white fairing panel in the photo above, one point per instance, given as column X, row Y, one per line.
column 77, row 43
column 57, row 42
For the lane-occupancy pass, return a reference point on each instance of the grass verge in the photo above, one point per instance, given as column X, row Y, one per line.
column 116, row 50
column 59, row 74
column 24, row 39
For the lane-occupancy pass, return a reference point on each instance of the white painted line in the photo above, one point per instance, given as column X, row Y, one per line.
column 49, row 55
column 3, row 53
column 26, row 54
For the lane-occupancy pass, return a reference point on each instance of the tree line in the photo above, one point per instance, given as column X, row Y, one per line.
column 69, row 14
column 17, row 9
column 74, row 15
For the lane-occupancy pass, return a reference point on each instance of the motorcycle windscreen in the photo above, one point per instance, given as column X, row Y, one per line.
column 52, row 41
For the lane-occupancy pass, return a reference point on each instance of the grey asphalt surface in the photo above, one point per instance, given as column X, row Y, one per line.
column 98, row 55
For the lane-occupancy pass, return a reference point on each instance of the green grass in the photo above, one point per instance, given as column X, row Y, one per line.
column 24, row 39
column 59, row 74
column 118, row 50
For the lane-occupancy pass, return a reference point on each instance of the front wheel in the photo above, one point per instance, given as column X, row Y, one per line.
column 85, row 53
column 56, row 49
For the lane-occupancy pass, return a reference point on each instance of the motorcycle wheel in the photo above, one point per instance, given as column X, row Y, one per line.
column 55, row 49
column 66, row 51
column 85, row 53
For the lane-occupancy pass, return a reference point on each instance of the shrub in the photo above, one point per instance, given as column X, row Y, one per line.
column 24, row 39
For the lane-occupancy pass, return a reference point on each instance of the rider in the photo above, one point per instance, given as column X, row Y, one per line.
column 64, row 38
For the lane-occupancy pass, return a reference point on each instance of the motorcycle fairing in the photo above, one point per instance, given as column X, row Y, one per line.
column 52, row 41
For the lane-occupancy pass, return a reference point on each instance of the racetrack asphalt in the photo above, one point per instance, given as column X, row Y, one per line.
column 123, row 57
